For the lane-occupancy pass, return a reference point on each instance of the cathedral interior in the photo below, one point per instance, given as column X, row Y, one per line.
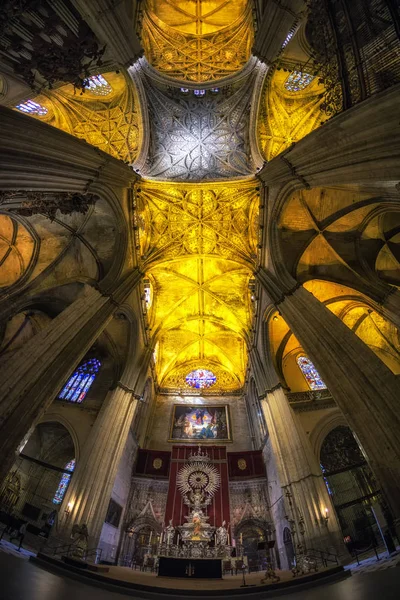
column 200, row 271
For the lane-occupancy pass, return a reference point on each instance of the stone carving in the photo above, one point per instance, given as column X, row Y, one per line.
column 111, row 122
column 199, row 137
column 195, row 44
column 221, row 535
column 286, row 117
column 80, row 536
column 46, row 203
column 169, row 533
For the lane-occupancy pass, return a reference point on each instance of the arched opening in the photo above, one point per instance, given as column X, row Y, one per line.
column 252, row 536
column 141, row 542
column 353, row 489
column 34, row 489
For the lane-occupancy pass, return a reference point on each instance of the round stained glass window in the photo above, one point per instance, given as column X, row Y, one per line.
column 201, row 378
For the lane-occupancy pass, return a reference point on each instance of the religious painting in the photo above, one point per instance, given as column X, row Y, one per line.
column 114, row 513
column 205, row 423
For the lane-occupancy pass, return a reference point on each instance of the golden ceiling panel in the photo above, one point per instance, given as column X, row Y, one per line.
column 197, row 40
column 110, row 121
column 215, row 219
column 198, row 244
column 287, row 116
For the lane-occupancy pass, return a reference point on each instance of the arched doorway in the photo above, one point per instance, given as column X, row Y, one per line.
column 253, row 535
column 289, row 548
column 352, row 486
column 33, row 491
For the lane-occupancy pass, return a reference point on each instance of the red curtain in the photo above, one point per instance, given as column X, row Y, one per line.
column 218, row 510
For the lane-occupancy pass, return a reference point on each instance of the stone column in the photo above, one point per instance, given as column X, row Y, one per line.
column 363, row 387
column 91, row 485
column 300, row 476
column 32, row 377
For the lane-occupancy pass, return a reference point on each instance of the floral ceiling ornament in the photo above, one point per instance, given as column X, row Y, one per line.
column 199, row 137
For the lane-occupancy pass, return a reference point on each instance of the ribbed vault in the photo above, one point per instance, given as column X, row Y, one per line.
column 197, row 245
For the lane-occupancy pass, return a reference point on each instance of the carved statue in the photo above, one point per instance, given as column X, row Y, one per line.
column 80, row 536
column 221, row 535
column 170, row 533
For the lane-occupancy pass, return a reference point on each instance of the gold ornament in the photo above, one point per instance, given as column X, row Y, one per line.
column 242, row 464
column 157, row 463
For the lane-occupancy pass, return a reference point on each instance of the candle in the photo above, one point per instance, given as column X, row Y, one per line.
column 241, row 538
column 177, row 540
column 228, row 539
column 151, row 535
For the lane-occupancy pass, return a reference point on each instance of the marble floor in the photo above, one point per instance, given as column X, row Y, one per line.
column 21, row 580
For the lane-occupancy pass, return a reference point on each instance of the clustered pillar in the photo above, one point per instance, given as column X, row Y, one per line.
column 35, row 373
column 363, row 387
column 90, row 489
column 305, row 494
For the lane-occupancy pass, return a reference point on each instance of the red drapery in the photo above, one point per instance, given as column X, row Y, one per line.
column 218, row 510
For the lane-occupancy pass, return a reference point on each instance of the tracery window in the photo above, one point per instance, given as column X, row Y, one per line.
column 310, row 373
column 32, row 108
column 201, row 378
column 98, row 85
column 79, row 383
column 64, row 482
column 298, row 81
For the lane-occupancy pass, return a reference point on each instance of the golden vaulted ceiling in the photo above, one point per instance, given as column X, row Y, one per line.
column 197, row 40
column 197, row 245
column 196, row 203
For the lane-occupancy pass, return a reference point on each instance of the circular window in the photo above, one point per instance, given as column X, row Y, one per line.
column 201, row 378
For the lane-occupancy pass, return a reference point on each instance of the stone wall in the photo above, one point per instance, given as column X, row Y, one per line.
column 110, row 535
column 161, row 422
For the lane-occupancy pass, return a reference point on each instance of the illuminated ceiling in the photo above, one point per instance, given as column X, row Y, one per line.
column 199, row 137
column 352, row 308
column 287, row 116
column 197, row 40
column 197, row 244
column 186, row 119
column 110, row 121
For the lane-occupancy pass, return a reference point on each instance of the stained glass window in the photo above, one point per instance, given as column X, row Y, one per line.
column 199, row 92
column 297, row 81
column 311, row 374
column 98, row 85
column 32, row 108
column 201, row 378
column 79, row 383
column 64, row 482
column 147, row 293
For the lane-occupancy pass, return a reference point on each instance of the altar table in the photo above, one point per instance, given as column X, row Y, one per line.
column 200, row 568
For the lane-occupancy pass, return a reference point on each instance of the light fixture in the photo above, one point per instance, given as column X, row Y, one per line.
column 70, row 506
column 275, row 318
column 326, row 515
